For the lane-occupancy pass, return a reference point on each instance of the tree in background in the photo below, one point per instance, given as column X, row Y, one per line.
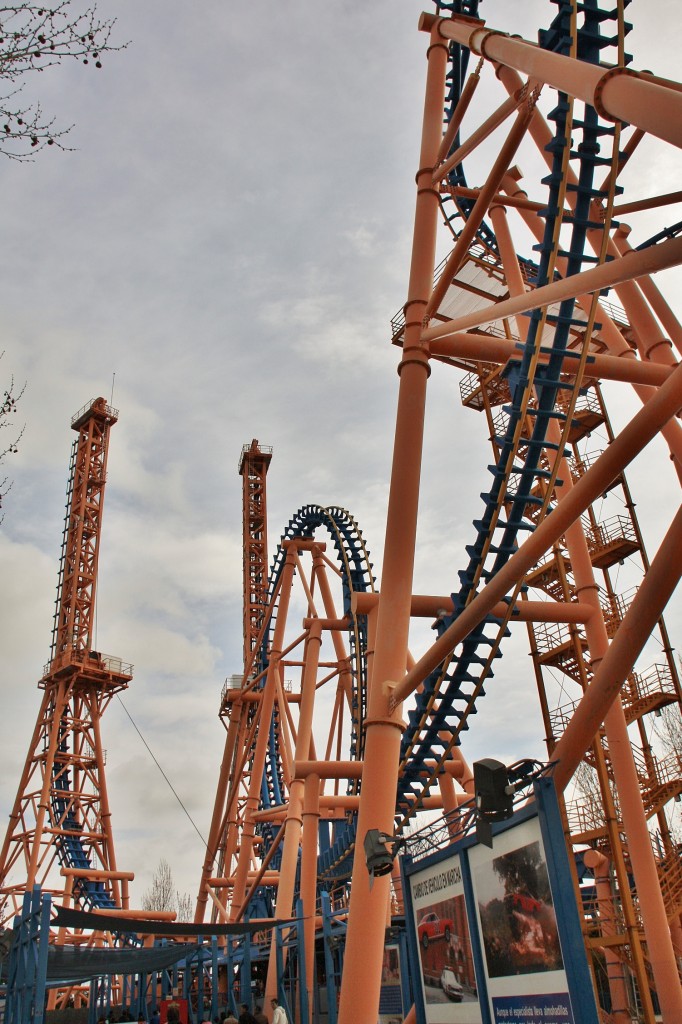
column 162, row 894
column 34, row 37
column 185, row 907
column 8, row 407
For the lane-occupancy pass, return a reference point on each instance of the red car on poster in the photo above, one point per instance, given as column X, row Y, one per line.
column 432, row 926
column 524, row 903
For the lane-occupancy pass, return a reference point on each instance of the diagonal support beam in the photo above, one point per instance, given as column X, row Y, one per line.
column 633, row 438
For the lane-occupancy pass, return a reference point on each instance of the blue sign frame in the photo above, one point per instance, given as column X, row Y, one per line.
column 583, row 1004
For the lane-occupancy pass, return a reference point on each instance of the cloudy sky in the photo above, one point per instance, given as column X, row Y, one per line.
column 223, row 249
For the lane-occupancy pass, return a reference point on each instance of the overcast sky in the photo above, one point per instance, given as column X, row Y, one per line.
column 230, row 237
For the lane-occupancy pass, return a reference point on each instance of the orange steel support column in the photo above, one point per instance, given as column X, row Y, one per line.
column 640, row 619
column 367, row 914
column 258, row 762
column 587, row 591
column 337, row 639
column 217, row 822
column 620, row 1006
column 311, row 818
column 576, row 540
column 294, row 820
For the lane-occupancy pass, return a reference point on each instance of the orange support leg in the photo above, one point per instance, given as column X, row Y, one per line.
column 367, row 915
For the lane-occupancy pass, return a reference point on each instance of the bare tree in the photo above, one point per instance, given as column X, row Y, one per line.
column 8, row 407
column 34, row 37
column 185, row 905
column 162, row 894
column 669, row 730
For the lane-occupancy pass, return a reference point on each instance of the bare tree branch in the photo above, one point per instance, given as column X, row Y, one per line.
column 161, row 893
column 35, row 38
column 8, row 406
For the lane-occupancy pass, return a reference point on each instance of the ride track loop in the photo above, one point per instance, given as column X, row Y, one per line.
column 261, row 809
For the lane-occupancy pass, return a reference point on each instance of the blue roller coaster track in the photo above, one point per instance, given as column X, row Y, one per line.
column 452, row 691
column 450, row 694
column 356, row 577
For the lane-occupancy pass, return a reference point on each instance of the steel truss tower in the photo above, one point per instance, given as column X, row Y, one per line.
column 253, row 467
column 518, row 310
column 536, row 340
column 60, row 834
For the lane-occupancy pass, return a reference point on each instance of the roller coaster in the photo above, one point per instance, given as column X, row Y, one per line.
column 334, row 729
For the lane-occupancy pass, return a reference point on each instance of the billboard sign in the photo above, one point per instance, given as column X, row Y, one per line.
column 494, row 933
column 524, row 967
column 447, row 974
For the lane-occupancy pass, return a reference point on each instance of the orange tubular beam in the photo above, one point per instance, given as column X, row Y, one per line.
column 619, row 94
column 328, row 769
column 479, row 136
column 368, row 908
column 625, row 268
column 458, row 113
column 486, row 348
column 614, row 967
column 647, row 204
column 503, row 200
column 651, row 293
column 274, row 846
column 426, row 607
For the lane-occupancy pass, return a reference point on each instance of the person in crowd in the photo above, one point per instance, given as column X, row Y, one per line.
column 246, row 1017
column 259, row 1016
column 279, row 1015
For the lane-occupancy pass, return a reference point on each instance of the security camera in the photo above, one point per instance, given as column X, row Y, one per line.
column 494, row 797
column 378, row 856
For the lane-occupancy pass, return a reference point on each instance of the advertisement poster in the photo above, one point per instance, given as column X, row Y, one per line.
column 391, row 999
column 522, row 956
column 447, row 966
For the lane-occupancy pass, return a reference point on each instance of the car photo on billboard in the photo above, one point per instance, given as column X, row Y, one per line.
column 431, row 926
column 452, row 988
